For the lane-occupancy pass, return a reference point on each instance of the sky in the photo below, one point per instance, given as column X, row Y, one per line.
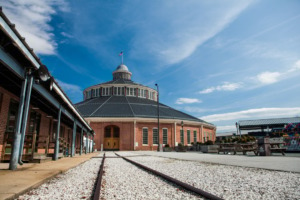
column 221, row 61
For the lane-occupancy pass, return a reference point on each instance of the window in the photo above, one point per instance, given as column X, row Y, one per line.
column 155, row 136
column 131, row 91
column 12, row 117
column 195, row 136
column 119, row 91
column 165, row 136
column 107, row 132
column 127, row 92
column 122, row 91
column 145, row 93
column 181, row 137
column 54, row 130
column 188, row 136
column 145, row 135
column 139, row 92
column 115, row 91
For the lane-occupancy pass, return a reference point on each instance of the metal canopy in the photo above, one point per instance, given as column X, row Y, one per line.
column 266, row 123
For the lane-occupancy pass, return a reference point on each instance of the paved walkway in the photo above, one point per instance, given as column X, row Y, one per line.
column 29, row 176
column 281, row 163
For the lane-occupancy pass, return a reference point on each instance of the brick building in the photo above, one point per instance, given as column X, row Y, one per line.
column 124, row 114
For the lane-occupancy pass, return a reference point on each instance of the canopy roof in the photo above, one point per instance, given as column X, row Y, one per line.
column 264, row 123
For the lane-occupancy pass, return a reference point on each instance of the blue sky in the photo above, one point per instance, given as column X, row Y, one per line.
column 221, row 61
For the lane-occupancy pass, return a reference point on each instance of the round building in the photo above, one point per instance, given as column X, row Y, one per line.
column 124, row 116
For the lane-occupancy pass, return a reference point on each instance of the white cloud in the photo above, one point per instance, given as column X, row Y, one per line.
column 32, row 19
column 187, row 101
column 70, row 88
column 295, row 67
column 258, row 113
column 226, row 128
column 268, row 77
column 175, row 36
column 225, row 87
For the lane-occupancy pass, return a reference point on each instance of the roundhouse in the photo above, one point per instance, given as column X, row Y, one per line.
column 124, row 116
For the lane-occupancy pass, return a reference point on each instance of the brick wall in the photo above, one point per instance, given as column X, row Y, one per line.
column 127, row 134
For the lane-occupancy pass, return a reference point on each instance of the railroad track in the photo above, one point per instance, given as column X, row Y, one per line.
column 187, row 187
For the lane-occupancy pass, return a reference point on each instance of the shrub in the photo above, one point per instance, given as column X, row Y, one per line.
column 167, row 145
column 209, row 142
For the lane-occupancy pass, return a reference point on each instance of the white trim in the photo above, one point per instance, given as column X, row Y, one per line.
column 140, row 119
column 60, row 93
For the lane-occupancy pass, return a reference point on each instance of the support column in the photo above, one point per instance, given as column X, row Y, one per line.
column 17, row 135
column 81, row 141
column 93, row 143
column 175, row 134
column 202, row 134
column 134, row 134
column 87, row 143
column 73, row 140
column 25, row 117
column 56, row 150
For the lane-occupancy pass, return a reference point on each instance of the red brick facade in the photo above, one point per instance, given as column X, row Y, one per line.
column 131, row 139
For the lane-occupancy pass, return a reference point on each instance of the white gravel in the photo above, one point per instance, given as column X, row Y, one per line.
column 76, row 183
column 228, row 182
column 123, row 180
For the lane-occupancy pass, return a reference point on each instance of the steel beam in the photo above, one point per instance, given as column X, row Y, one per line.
column 56, row 150
column 74, row 139
column 25, row 117
column 17, row 135
column 81, row 141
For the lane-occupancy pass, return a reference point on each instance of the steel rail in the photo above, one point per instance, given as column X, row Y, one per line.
column 175, row 181
column 97, row 188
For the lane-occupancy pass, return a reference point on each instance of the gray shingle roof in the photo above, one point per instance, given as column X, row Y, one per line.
column 125, row 106
column 267, row 122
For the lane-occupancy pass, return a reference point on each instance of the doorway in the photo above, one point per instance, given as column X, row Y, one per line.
column 111, row 138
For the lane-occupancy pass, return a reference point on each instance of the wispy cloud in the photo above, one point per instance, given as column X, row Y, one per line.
column 32, row 19
column 258, row 113
column 175, row 36
column 69, row 88
column 187, row 101
column 73, row 91
column 226, row 128
column 225, row 87
column 267, row 77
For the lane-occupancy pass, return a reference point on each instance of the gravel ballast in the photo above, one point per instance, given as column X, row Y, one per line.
column 123, row 180
column 76, row 183
column 228, row 182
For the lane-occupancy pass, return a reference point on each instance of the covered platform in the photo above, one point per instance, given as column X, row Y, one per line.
column 38, row 121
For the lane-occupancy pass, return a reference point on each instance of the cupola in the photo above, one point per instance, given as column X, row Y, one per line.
column 122, row 72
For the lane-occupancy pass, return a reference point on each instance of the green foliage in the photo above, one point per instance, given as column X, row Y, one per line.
column 209, row 142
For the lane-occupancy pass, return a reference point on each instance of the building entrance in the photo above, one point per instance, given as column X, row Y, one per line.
column 111, row 138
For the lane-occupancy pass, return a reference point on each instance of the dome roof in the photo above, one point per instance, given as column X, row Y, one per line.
column 122, row 72
column 121, row 106
column 122, row 67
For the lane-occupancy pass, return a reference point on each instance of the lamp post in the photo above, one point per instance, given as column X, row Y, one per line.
column 159, row 145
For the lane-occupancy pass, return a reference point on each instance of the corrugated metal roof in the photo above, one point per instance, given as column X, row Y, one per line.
column 121, row 106
column 266, row 122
